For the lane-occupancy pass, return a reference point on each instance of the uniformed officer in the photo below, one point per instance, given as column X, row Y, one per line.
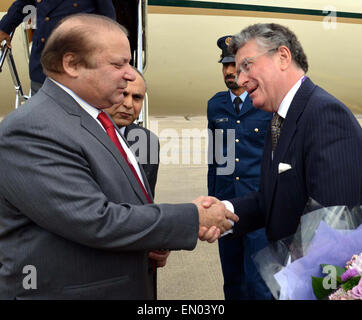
column 48, row 14
column 233, row 110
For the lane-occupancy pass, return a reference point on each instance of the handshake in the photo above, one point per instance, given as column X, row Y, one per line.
column 213, row 218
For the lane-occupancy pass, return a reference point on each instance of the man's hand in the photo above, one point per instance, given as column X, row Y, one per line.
column 5, row 36
column 213, row 218
column 160, row 257
column 210, row 235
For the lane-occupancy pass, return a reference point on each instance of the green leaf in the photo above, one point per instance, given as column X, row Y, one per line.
column 319, row 291
column 351, row 283
column 339, row 271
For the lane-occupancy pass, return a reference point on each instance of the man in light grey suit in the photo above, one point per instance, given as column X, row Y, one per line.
column 76, row 216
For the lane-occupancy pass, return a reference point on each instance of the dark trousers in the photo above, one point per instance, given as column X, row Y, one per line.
column 242, row 280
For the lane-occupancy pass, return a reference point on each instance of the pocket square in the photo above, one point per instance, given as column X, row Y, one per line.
column 283, row 167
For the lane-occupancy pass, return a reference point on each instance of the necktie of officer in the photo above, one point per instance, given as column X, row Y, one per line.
column 276, row 125
column 237, row 103
column 111, row 132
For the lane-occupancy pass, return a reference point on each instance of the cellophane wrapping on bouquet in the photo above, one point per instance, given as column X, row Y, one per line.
column 329, row 236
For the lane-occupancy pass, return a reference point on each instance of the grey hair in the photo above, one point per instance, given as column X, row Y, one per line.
column 270, row 36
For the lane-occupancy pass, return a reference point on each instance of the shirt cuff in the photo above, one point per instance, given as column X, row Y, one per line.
column 229, row 206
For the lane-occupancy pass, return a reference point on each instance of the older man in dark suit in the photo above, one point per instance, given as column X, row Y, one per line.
column 315, row 143
column 143, row 142
column 314, row 146
column 75, row 206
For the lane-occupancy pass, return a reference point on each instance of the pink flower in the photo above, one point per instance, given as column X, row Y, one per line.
column 340, row 294
column 357, row 290
column 350, row 273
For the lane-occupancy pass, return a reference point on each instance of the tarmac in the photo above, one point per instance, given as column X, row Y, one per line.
column 188, row 275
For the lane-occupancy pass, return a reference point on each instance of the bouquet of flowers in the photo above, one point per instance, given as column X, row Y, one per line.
column 326, row 238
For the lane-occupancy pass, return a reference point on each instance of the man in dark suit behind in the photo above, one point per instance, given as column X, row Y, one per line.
column 143, row 142
column 75, row 206
column 232, row 110
column 314, row 146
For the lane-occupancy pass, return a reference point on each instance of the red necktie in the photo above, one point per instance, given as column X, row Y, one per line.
column 108, row 126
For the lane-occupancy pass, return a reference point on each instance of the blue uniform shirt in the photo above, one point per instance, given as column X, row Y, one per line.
column 250, row 127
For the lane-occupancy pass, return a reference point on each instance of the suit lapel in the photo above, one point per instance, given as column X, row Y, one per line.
column 127, row 130
column 93, row 128
column 227, row 104
column 144, row 177
column 288, row 131
column 67, row 102
column 246, row 106
column 290, row 123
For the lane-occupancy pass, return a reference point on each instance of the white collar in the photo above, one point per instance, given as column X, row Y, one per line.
column 286, row 102
column 86, row 106
column 242, row 96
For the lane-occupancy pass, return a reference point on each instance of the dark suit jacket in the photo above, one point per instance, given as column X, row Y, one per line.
column 71, row 207
column 146, row 146
column 55, row 10
column 322, row 141
column 250, row 127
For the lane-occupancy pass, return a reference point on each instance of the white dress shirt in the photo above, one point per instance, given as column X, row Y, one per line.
column 286, row 102
column 94, row 112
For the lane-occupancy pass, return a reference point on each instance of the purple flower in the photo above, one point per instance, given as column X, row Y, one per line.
column 350, row 273
column 357, row 290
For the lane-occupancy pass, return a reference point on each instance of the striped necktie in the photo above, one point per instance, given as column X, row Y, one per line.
column 276, row 125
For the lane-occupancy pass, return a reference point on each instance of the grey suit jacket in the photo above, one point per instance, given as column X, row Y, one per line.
column 71, row 207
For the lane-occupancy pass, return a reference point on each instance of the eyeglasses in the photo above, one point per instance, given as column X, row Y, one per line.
column 247, row 62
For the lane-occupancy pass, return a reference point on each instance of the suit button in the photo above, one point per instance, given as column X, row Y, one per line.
column 256, row 130
column 237, row 159
column 42, row 40
column 38, row 1
column 47, row 19
column 237, row 140
column 75, row 5
column 237, row 121
column 237, row 178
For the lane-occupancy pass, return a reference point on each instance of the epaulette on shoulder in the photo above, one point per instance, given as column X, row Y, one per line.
column 219, row 95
